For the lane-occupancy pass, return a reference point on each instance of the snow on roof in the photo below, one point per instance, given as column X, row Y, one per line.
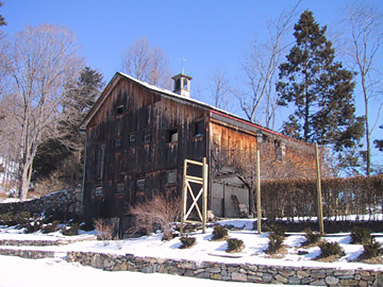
column 175, row 96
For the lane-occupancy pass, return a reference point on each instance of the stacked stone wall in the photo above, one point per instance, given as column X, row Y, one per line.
column 30, row 254
column 63, row 205
column 228, row 271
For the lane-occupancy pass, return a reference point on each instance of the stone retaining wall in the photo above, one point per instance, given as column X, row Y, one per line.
column 33, row 242
column 228, row 272
column 30, row 254
column 64, row 204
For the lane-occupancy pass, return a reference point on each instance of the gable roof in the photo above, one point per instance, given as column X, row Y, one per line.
column 168, row 94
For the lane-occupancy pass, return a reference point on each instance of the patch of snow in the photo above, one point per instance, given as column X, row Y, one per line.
column 207, row 250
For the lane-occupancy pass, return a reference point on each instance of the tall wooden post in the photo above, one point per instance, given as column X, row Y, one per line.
column 204, row 195
column 319, row 191
column 259, row 205
column 184, row 196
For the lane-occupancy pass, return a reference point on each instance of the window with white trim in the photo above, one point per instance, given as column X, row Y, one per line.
column 171, row 177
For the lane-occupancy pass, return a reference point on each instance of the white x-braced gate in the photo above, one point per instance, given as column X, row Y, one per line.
column 188, row 193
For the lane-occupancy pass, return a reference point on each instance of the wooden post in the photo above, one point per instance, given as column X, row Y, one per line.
column 319, row 192
column 204, row 195
column 184, row 197
column 259, row 205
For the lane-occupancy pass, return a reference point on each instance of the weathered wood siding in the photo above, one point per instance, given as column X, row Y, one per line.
column 133, row 111
column 235, row 142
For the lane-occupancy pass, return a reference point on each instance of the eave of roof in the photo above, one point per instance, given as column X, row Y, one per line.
column 113, row 82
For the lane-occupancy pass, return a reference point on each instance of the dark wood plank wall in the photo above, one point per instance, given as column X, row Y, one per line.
column 144, row 114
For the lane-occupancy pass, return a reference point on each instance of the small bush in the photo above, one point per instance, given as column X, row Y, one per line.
column 371, row 249
column 311, row 237
column 234, row 245
column 33, row 226
column 104, row 229
column 330, row 249
column 86, row 226
column 50, row 227
column 71, row 230
column 360, row 235
column 10, row 219
column 219, row 233
column 275, row 242
column 187, row 242
column 277, row 229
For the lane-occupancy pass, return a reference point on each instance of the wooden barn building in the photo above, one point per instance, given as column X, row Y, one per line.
column 138, row 135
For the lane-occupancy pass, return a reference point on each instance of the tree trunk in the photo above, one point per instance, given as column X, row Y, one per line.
column 368, row 139
column 25, row 181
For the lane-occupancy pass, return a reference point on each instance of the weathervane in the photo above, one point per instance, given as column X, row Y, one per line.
column 183, row 59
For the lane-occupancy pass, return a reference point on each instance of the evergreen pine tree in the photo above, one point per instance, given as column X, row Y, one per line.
column 320, row 88
column 2, row 20
column 379, row 143
column 65, row 153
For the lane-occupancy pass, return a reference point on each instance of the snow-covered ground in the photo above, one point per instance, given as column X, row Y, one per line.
column 58, row 269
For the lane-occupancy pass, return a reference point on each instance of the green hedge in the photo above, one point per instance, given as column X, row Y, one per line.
column 340, row 197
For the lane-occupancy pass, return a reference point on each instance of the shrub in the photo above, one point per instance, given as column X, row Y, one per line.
column 275, row 242
column 187, row 241
column 360, row 235
column 87, row 226
column 234, row 245
column 162, row 211
column 219, row 233
column 50, row 227
column 311, row 237
column 104, row 229
column 10, row 219
column 277, row 229
column 330, row 249
column 33, row 226
column 71, row 230
column 371, row 249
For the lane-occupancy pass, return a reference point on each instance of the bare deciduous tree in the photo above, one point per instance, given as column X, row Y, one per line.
column 365, row 39
column 147, row 64
column 260, row 67
column 42, row 59
column 220, row 89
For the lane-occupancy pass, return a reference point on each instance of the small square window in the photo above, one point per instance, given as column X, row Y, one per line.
column 198, row 129
column 172, row 136
column 140, row 185
column 120, row 110
column 171, row 177
column 132, row 137
column 98, row 191
column 147, row 136
column 118, row 142
column 120, row 187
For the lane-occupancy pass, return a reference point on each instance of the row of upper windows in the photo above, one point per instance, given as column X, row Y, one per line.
column 171, row 137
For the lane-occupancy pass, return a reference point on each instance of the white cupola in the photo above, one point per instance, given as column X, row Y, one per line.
column 182, row 84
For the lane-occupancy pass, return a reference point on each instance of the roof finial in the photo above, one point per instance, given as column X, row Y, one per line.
column 183, row 59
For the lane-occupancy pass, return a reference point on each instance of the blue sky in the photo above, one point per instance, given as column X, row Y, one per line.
column 208, row 34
